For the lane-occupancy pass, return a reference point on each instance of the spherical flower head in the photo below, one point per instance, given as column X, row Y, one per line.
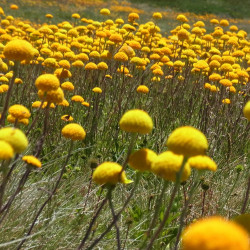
column 136, row 121
column 32, row 160
column 202, row 162
column 97, row 90
column 167, row 165
column 19, row 111
column 187, row 141
column 19, row 50
column 142, row 89
column 74, row 132
column 86, row 104
column 56, row 96
column 246, row 110
column 105, row 12
column 68, row 86
column 47, row 82
column 226, row 101
column 12, row 119
column 142, row 159
column 109, row 173
column 15, row 137
column 90, row 66
column 102, row 66
column 214, row 233
column 6, row 150
column 77, row 98
column 157, row 15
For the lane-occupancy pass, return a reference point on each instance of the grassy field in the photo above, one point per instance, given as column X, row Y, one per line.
column 170, row 73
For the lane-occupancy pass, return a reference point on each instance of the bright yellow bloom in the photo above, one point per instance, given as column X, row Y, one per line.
column 12, row 119
column 15, row 137
column 68, row 86
column 19, row 111
column 90, row 66
column 157, row 15
column 109, row 173
column 18, row 50
column 74, row 132
column 142, row 89
column 202, row 162
column 67, row 118
column 6, row 151
column 47, row 82
column 226, row 101
column 167, row 165
column 32, row 160
column 214, row 233
column 77, row 98
column 136, row 121
column 142, row 159
column 246, row 110
column 105, row 12
column 86, row 104
column 56, row 96
column 187, row 141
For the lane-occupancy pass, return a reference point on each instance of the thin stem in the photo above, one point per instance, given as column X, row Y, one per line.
column 49, row 198
column 171, row 201
column 243, row 210
column 138, row 175
column 91, row 224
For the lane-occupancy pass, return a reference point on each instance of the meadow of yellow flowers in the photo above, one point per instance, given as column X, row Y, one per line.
column 114, row 134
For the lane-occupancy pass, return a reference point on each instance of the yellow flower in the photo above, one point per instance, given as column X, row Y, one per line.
column 68, row 86
column 142, row 159
column 136, row 121
column 6, row 151
column 226, row 101
column 201, row 64
column 56, row 96
column 215, row 77
column 157, row 15
column 90, row 66
column 12, row 119
column 77, row 98
column 182, row 18
column 47, row 82
column 202, row 162
column 187, row 141
column 15, row 137
column 121, row 57
column 226, row 67
column 86, row 104
column 18, row 81
column 183, row 34
column 224, row 22
column 246, row 110
column 62, row 73
column 167, row 165
column 109, row 173
column 226, row 82
column 67, row 118
column 116, row 38
column 19, row 50
column 105, row 12
column 14, row 7
column 214, row 233
column 102, row 66
column 97, row 90
column 32, row 160
column 19, row 111
column 64, row 64
column 74, row 132
column 142, row 89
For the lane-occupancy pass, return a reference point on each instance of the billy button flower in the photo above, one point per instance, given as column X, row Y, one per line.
column 121, row 57
column 62, row 73
column 226, row 101
column 55, row 96
column 86, row 104
column 187, row 141
column 67, row 118
column 97, row 90
column 19, row 111
column 6, row 150
column 202, row 162
column 77, row 98
column 142, row 89
column 47, row 82
column 109, row 173
column 105, row 12
column 32, row 160
column 102, row 66
column 67, row 86
column 74, row 131
column 14, row 120
column 136, row 121
column 214, row 233
column 15, row 137
column 90, row 66
column 142, row 159
column 246, row 110
column 167, row 164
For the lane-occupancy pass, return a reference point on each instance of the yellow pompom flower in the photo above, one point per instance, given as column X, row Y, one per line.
column 168, row 164
column 47, row 82
column 19, row 50
column 157, row 15
column 74, row 132
column 142, row 89
column 12, row 119
column 67, row 118
column 142, row 159
column 202, row 162
column 97, row 90
column 56, row 96
column 214, row 233
column 102, row 66
column 15, row 137
column 187, row 141
column 77, row 98
column 226, row 101
column 6, row 151
column 105, row 12
column 86, row 104
column 136, row 121
column 68, row 86
column 246, row 110
column 90, row 66
column 32, row 160
column 109, row 173
column 19, row 111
